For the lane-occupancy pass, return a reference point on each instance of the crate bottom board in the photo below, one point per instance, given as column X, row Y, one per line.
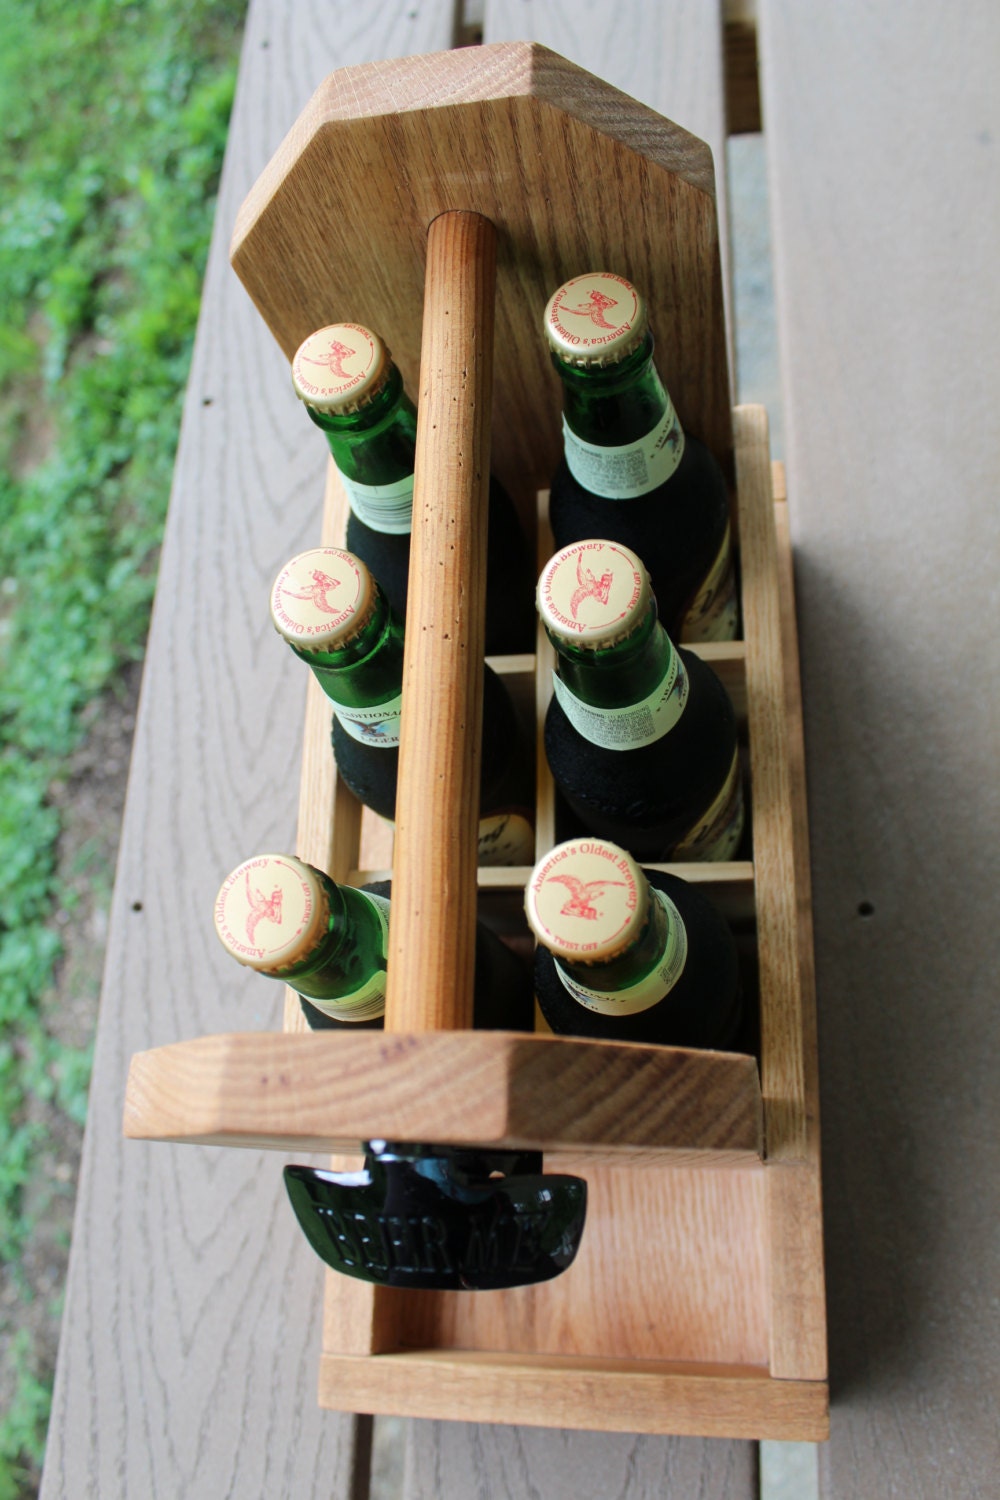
column 672, row 1266
column 604, row 1395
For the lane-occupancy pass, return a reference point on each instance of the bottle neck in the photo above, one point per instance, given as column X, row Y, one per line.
column 347, row 967
column 621, row 435
column 368, row 669
column 626, row 696
column 374, row 449
column 640, row 975
column 617, row 675
column 611, row 405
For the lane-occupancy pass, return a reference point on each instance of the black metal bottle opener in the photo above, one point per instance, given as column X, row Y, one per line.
column 443, row 1217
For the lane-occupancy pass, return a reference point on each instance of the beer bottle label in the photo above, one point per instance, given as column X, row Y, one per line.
column 634, row 725
column 368, row 1001
column 383, row 507
column 649, row 990
column 624, row 472
column 714, row 612
column 377, row 726
column 506, row 838
column 718, row 831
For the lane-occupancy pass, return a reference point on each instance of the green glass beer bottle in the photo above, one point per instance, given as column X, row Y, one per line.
column 640, row 735
column 288, row 920
column 627, row 954
column 328, row 608
column 629, row 472
column 354, row 393
column 282, row 917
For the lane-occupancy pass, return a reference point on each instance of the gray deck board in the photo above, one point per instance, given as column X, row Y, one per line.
column 191, row 1333
column 883, row 125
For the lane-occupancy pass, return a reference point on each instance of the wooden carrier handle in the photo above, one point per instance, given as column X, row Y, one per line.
column 432, row 937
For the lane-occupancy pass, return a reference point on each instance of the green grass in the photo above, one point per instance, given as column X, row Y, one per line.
column 113, row 128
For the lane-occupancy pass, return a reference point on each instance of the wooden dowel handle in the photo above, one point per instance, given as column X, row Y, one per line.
column 432, row 934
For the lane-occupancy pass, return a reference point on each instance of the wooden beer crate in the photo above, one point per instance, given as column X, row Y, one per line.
column 696, row 1303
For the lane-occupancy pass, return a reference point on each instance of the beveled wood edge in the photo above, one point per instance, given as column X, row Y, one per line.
column 330, row 1091
column 783, row 1065
column 470, row 75
column 603, row 1395
column 798, row 1331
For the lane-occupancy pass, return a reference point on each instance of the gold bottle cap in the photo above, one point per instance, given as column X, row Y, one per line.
column 322, row 598
column 587, row 900
column 595, row 319
column 593, row 593
column 271, row 912
column 339, row 368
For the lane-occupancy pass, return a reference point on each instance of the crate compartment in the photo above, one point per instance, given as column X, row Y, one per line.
column 696, row 1303
column 694, row 1213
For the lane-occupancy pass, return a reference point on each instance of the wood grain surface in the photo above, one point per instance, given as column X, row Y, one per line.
column 189, row 1350
column 192, row 1320
column 432, row 940
column 572, row 172
column 668, row 56
column 883, row 126
column 689, row 1248
column 737, row 1266
column 795, row 1210
column 711, row 1232
column 721, row 1401
column 499, row 1463
column 503, row 1089
column 782, row 1055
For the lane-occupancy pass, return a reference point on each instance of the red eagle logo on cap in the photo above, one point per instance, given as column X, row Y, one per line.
column 582, row 894
column 594, row 309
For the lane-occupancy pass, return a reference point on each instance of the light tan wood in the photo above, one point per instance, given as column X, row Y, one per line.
column 743, row 1245
column 432, row 937
column 379, row 152
column 728, row 661
column 326, row 1092
column 705, row 1261
column 545, row 792
column 329, row 826
column 692, row 1242
column 795, row 1211
column 782, row 1043
column 730, row 885
column 719, row 1401
column 669, row 56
